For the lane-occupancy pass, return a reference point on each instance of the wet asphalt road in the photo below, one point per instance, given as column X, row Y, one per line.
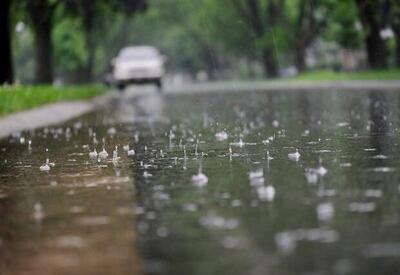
column 212, row 184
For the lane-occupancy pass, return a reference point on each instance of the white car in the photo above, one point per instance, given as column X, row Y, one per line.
column 139, row 65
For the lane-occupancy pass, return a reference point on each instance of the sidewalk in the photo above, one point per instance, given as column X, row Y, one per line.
column 49, row 114
column 59, row 112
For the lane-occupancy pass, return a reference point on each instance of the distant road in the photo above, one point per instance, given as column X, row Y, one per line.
column 62, row 111
column 273, row 85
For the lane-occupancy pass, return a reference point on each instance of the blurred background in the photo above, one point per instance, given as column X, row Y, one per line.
column 142, row 183
column 73, row 41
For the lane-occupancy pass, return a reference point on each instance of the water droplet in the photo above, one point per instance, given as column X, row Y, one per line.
column 221, row 136
column 294, row 156
column 266, row 193
column 325, row 211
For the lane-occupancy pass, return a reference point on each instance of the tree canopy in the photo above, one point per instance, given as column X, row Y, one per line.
column 74, row 40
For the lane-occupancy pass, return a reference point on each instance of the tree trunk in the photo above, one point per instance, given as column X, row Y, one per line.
column 398, row 50
column 261, row 27
column 300, row 58
column 249, row 69
column 208, row 54
column 44, row 50
column 375, row 45
column 395, row 23
column 90, row 50
column 269, row 62
column 210, row 61
column 41, row 15
column 6, row 71
column 396, row 30
column 376, row 50
column 302, row 30
column 88, row 18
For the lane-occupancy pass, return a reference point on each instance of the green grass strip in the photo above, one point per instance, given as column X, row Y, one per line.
column 392, row 74
column 18, row 98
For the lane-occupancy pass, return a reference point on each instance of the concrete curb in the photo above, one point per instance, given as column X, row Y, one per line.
column 50, row 114
column 291, row 85
column 62, row 111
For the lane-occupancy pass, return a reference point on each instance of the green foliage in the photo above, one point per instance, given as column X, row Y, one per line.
column 18, row 98
column 344, row 27
column 22, row 55
column 69, row 45
column 178, row 28
column 393, row 74
column 196, row 35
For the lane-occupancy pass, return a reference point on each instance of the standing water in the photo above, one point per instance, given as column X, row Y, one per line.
column 261, row 209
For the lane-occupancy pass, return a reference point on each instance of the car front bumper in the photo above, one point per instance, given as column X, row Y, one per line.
column 137, row 74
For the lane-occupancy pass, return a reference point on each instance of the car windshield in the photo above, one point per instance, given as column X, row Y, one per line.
column 138, row 54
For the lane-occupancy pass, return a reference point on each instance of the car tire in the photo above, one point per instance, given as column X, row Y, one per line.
column 121, row 87
column 159, row 85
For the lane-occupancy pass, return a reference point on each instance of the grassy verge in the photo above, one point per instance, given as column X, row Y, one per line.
column 18, row 98
column 393, row 74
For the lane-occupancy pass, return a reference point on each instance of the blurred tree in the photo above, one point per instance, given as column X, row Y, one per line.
column 370, row 14
column 70, row 54
column 88, row 9
column 308, row 23
column 395, row 23
column 181, row 28
column 128, row 8
column 343, row 25
column 6, row 70
column 223, row 27
column 41, row 15
column 45, row 15
column 262, row 18
column 92, row 13
column 219, row 37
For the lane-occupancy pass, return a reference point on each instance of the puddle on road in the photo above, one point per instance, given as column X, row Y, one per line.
column 76, row 218
column 277, row 183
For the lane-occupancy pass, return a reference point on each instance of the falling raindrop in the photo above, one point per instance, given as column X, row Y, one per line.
column 38, row 213
column 93, row 154
column 268, row 156
column 131, row 152
column 45, row 167
column 147, row 174
column 103, row 154
column 325, row 211
column 256, row 177
column 221, row 136
column 311, row 176
column 200, row 179
column 266, row 193
column 239, row 143
column 294, row 156
column 115, row 155
column 112, row 131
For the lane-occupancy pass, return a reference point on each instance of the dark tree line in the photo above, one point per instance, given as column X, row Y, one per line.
column 394, row 15
column 40, row 15
column 371, row 13
column 92, row 13
column 262, row 21
column 266, row 23
column 375, row 16
column 6, row 69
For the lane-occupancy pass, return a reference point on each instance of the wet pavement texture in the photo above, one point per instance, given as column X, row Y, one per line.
column 237, row 183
